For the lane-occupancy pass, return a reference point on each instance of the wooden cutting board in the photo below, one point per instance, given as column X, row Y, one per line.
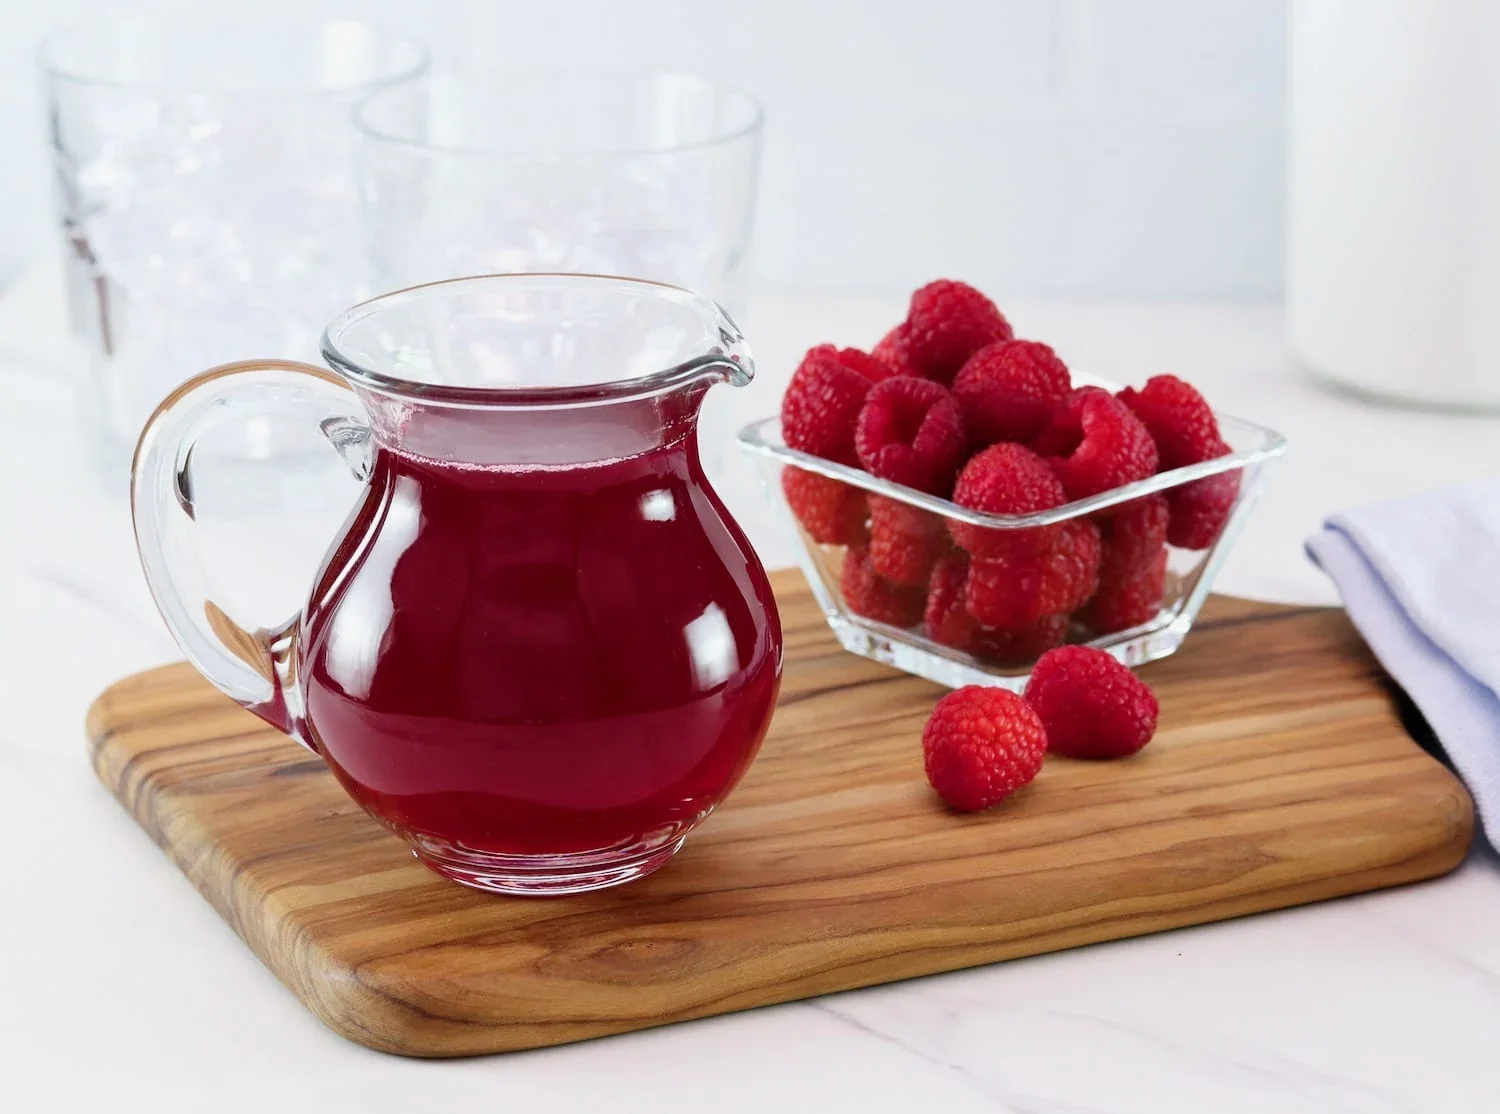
column 1281, row 775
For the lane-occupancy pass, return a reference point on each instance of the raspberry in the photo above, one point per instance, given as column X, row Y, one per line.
column 1007, row 391
column 1094, row 443
column 868, row 593
column 891, row 351
column 946, row 324
column 823, row 399
column 1073, row 566
column 905, row 541
column 1013, row 593
column 865, row 363
column 1090, row 704
column 1180, row 421
column 1133, row 533
column 980, row 745
column 1186, row 432
column 910, row 432
column 1023, row 646
column 1006, row 479
column 832, row 512
column 1127, row 598
column 946, row 621
column 1200, row 509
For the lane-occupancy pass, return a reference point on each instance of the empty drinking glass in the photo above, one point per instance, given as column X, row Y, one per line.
column 648, row 176
column 207, row 194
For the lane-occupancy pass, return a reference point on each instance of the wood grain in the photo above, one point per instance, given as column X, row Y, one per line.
column 1281, row 775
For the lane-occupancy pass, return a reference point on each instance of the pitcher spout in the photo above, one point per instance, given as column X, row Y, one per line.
column 728, row 361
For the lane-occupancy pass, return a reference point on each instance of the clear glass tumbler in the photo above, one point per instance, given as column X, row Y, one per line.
column 207, row 194
column 648, row 177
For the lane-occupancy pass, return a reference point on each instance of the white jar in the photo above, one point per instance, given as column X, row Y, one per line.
column 1393, row 241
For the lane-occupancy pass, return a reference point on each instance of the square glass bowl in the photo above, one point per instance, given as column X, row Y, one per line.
column 1189, row 572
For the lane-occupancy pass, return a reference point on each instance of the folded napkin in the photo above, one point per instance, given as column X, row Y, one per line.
column 1420, row 578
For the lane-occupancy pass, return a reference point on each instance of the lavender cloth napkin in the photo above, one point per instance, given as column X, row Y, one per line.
column 1420, row 578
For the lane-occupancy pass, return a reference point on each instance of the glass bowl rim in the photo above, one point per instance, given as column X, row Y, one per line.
column 763, row 437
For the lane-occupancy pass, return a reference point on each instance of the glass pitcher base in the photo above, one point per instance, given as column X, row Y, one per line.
column 549, row 875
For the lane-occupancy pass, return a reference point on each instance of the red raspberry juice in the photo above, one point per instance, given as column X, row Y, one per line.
column 541, row 660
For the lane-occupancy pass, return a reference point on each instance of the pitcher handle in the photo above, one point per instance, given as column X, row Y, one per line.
column 257, row 668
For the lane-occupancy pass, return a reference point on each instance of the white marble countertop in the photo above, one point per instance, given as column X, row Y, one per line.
column 121, row 988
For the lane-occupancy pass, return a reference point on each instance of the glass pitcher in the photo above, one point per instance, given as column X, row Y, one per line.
column 541, row 651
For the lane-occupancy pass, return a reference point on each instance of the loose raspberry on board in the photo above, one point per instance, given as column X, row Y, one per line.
column 980, row 745
column 1090, row 704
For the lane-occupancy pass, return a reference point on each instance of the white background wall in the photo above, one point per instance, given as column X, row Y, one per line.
column 1069, row 147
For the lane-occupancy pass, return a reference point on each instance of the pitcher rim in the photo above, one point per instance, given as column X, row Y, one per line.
column 728, row 361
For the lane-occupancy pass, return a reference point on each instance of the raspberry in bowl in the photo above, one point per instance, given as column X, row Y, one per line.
column 966, row 501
